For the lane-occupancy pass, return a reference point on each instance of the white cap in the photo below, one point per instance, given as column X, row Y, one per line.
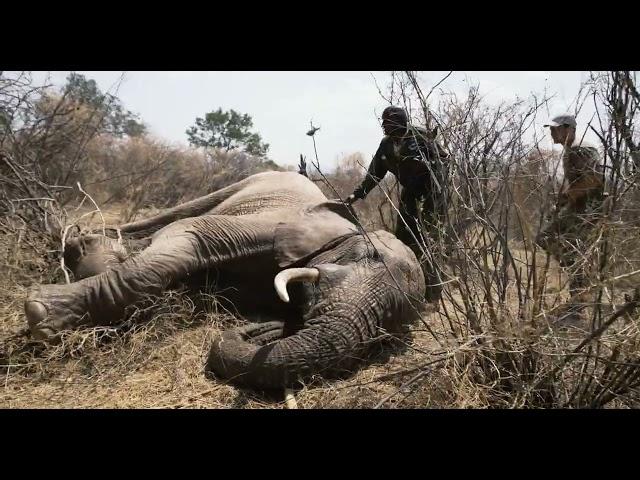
column 564, row 119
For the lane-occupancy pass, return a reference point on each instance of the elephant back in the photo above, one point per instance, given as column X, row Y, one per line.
column 270, row 191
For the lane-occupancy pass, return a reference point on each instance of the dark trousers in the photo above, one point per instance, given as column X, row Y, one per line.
column 566, row 238
column 417, row 226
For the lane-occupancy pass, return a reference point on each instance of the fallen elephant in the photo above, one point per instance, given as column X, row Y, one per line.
column 283, row 246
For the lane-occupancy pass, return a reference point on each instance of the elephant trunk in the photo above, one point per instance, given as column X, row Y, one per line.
column 334, row 338
column 331, row 345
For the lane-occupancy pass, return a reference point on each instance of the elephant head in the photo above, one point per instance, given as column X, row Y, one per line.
column 352, row 289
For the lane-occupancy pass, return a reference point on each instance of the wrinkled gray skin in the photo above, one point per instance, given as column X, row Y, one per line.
column 246, row 234
column 89, row 255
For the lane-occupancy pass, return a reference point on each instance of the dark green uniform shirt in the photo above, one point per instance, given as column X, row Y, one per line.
column 416, row 161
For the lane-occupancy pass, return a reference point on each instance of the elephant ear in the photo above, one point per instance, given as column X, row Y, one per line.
column 315, row 227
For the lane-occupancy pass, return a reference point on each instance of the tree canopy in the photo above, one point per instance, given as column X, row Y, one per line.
column 117, row 120
column 228, row 130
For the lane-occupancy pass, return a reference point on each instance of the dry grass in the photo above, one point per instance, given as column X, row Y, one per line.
column 156, row 360
column 159, row 363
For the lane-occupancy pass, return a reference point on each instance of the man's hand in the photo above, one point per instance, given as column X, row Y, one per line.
column 350, row 199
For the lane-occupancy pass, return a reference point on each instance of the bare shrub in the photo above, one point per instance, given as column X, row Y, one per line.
column 56, row 152
column 505, row 299
column 508, row 330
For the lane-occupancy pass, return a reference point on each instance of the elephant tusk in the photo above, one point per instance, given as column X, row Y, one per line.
column 290, row 399
column 293, row 275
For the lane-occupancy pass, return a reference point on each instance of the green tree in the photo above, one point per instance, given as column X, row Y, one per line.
column 117, row 120
column 228, row 131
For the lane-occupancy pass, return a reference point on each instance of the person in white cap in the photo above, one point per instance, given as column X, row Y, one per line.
column 579, row 202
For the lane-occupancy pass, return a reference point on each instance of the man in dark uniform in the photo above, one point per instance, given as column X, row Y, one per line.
column 579, row 203
column 420, row 165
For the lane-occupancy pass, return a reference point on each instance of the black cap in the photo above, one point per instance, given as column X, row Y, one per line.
column 396, row 113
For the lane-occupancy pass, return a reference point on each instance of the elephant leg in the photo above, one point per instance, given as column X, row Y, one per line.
column 182, row 248
column 193, row 208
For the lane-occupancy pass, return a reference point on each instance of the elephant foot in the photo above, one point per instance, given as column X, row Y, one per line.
column 89, row 255
column 49, row 309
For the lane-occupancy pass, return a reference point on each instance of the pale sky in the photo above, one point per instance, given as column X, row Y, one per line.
column 344, row 104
